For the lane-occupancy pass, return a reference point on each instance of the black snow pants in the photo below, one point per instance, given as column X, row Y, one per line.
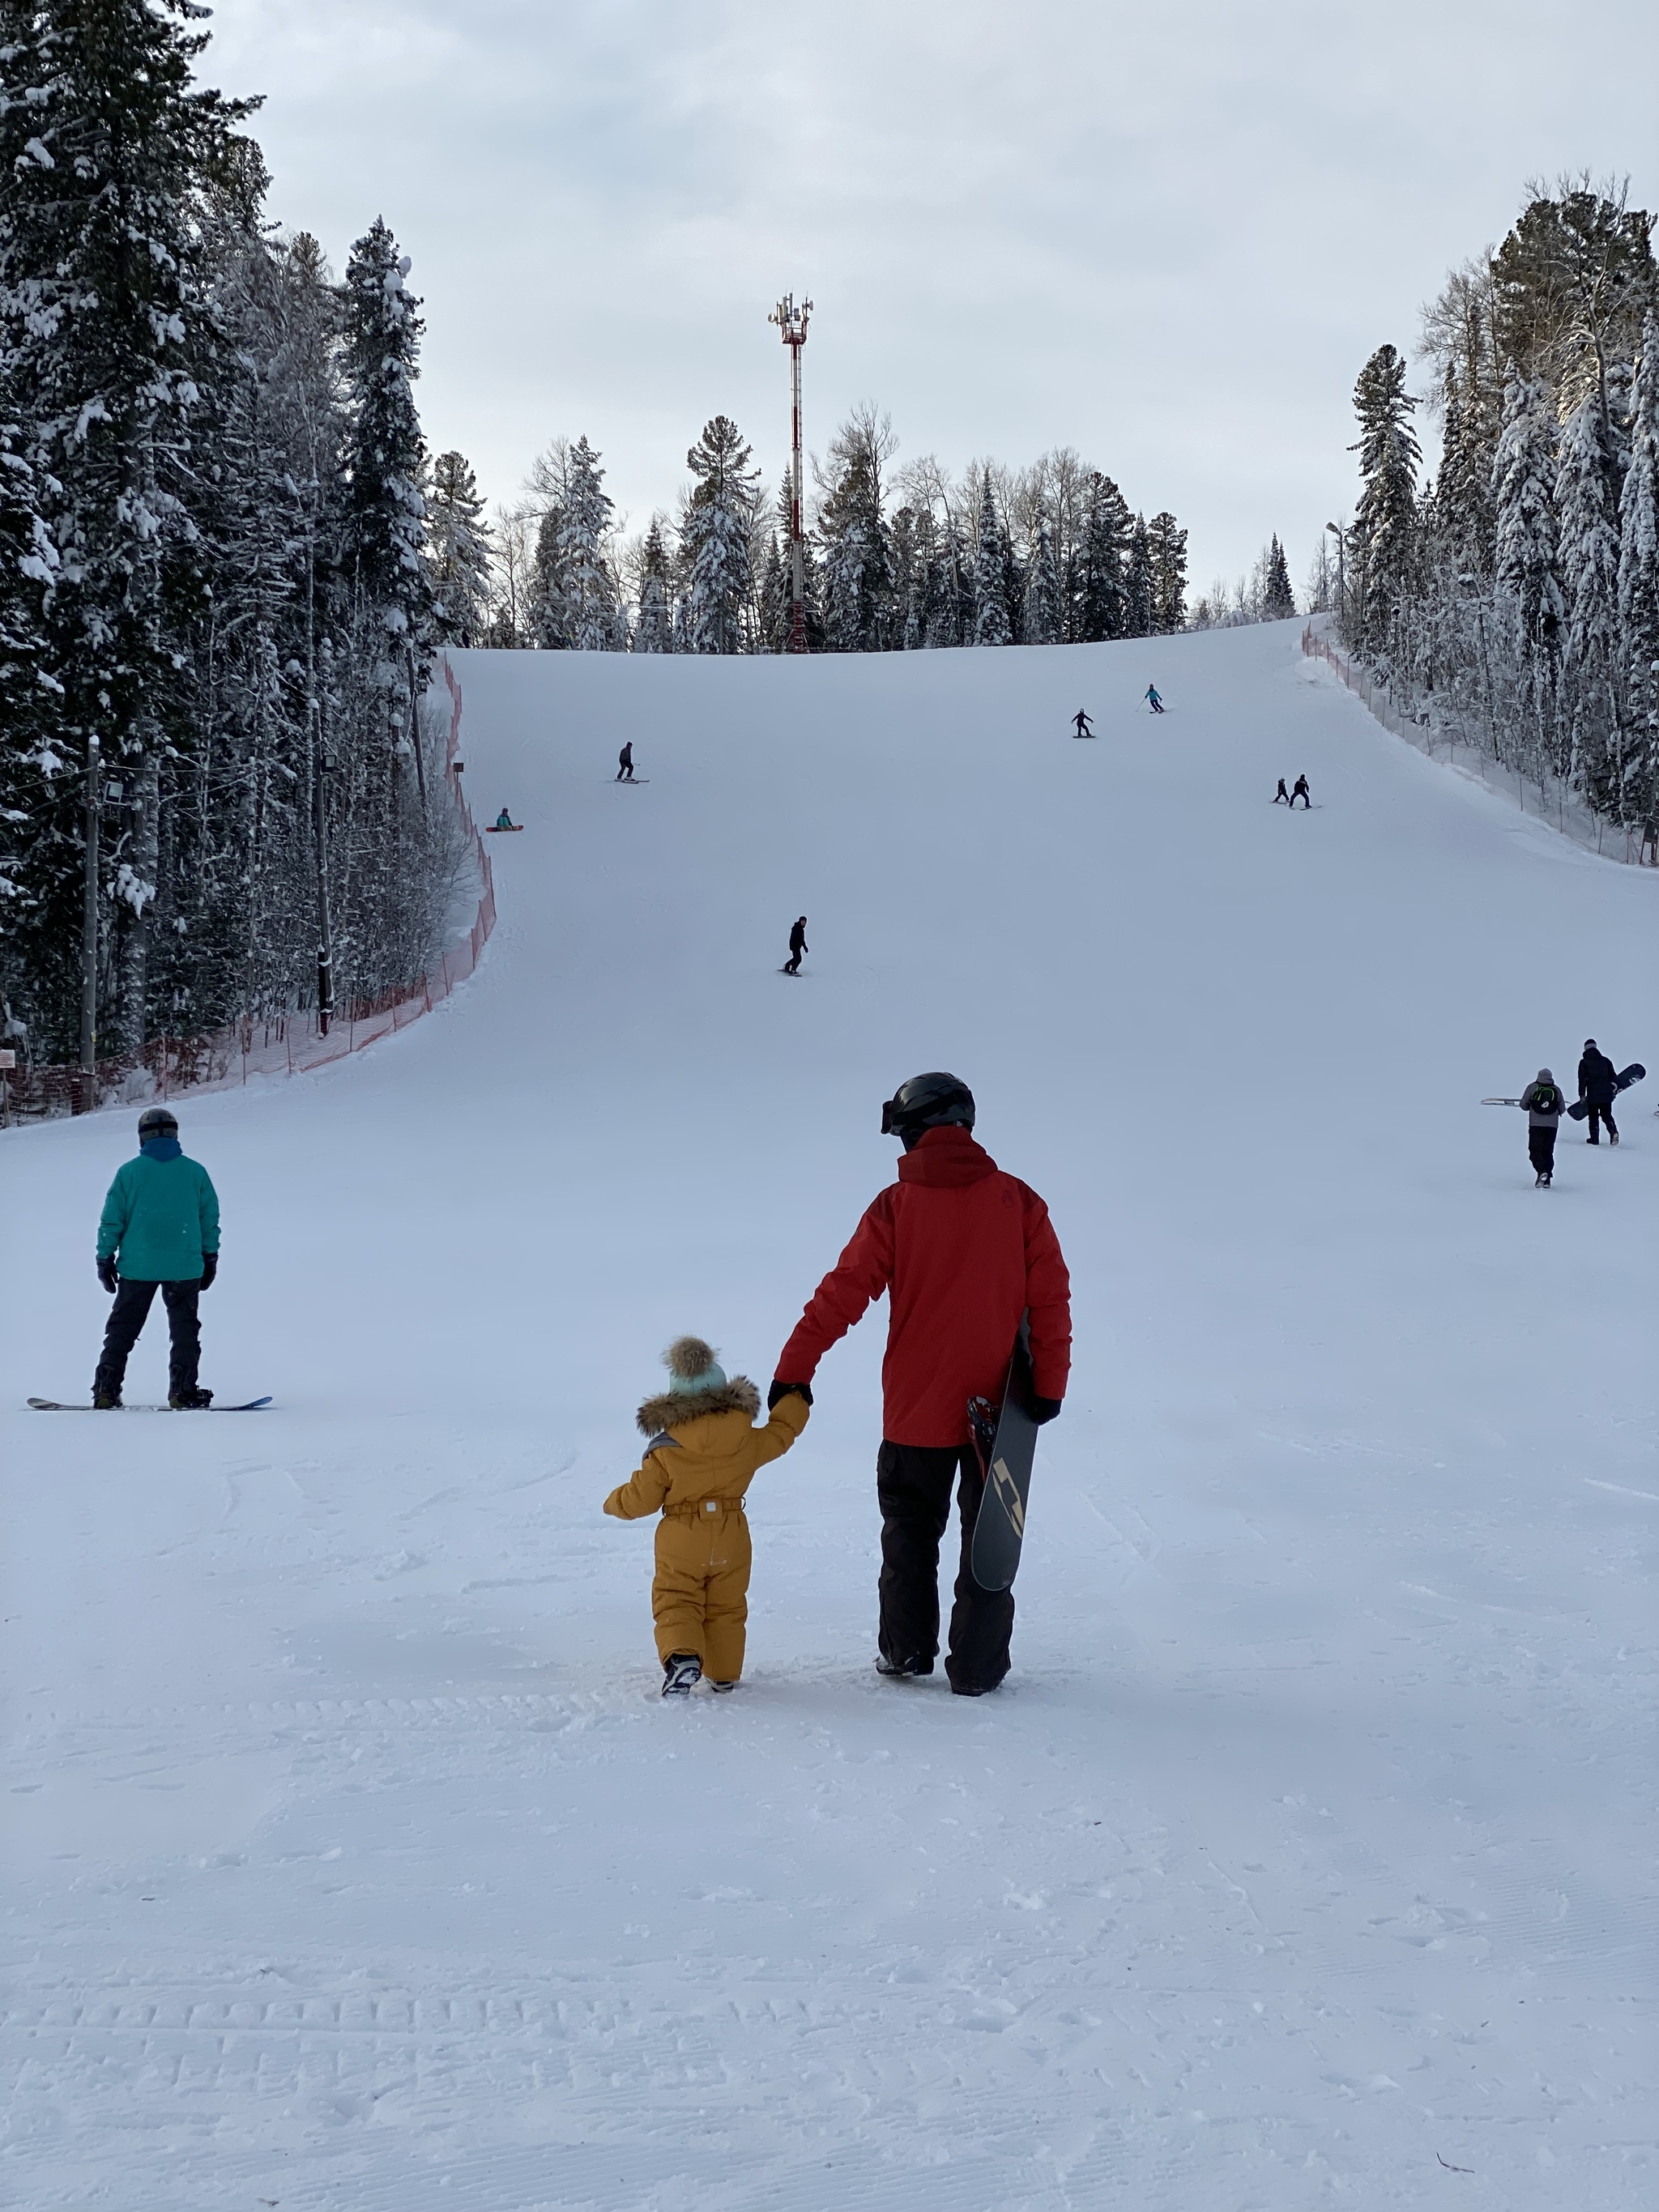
column 1605, row 1115
column 128, row 1316
column 1541, row 1151
column 914, row 1484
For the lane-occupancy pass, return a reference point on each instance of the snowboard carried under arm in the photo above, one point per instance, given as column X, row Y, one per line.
column 1622, row 1081
column 1005, row 1442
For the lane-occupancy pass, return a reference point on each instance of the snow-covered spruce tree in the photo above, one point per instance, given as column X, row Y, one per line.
column 385, row 511
column 1138, row 584
column 716, row 536
column 1098, row 590
column 589, row 587
column 992, row 625
column 1587, row 508
column 1166, row 545
column 1041, row 616
column 1530, row 601
column 1278, row 599
column 29, row 759
column 1638, row 581
column 1384, row 536
column 858, row 594
column 654, row 631
column 457, row 551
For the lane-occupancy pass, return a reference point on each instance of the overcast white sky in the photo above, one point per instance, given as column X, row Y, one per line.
column 1168, row 233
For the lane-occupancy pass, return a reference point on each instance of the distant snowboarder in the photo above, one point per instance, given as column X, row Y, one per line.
column 1281, row 796
column 159, row 1229
column 1152, row 699
column 1598, row 1086
column 1083, row 726
column 1544, row 1106
column 798, row 945
column 1300, row 790
column 504, row 820
column 625, row 763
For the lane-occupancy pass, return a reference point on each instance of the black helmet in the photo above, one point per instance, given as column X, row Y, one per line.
column 928, row 1102
column 156, row 1121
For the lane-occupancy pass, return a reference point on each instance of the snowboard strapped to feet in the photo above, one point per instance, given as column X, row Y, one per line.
column 1633, row 1073
column 1005, row 1441
column 53, row 1406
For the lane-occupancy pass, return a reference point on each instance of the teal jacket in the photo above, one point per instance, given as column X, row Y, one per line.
column 161, row 1216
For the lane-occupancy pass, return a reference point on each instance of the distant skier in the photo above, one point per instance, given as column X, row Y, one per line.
column 1300, row 790
column 1544, row 1106
column 1598, row 1084
column 1281, row 795
column 159, row 1229
column 504, row 821
column 1083, row 726
column 1152, row 699
column 798, row 945
column 963, row 1251
column 625, row 763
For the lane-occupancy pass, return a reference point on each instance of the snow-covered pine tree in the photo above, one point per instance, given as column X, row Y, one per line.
column 854, row 538
column 1278, row 599
column 1638, row 580
column 1041, row 615
column 457, row 551
column 1384, row 535
column 1587, row 508
column 716, row 536
column 1138, row 607
column 29, row 759
column 654, row 632
column 992, row 625
column 1527, row 573
column 1166, row 545
column 589, row 588
column 1098, row 584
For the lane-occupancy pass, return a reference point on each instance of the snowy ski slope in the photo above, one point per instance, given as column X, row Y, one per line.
column 355, row 1864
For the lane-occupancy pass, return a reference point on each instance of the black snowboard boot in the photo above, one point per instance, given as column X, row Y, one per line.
column 105, row 1399
column 193, row 1400
column 681, row 1671
column 901, row 1668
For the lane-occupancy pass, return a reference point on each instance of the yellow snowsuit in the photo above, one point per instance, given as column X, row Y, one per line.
column 695, row 1471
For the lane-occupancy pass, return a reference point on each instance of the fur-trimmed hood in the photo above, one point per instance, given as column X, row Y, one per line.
column 674, row 1409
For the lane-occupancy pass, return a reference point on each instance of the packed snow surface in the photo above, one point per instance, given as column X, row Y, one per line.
column 356, row 1864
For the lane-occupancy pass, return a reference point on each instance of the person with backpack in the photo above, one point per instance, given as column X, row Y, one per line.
column 159, row 1230
column 1598, row 1085
column 1544, row 1106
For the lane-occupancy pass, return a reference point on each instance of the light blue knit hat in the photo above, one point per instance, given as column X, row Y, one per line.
column 692, row 1367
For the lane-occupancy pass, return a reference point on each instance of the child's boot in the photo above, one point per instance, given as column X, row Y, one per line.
column 681, row 1673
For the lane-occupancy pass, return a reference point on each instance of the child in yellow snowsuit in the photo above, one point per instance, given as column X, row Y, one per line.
column 703, row 1453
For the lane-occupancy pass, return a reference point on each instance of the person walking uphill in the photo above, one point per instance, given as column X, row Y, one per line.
column 963, row 1252
column 1544, row 1106
column 703, row 1453
column 159, row 1230
column 1598, row 1084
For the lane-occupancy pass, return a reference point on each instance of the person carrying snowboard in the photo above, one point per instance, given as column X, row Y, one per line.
column 1082, row 724
column 504, row 820
column 1598, row 1084
column 1281, row 794
column 798, row 945
column 963, row 1252
column 703, row 1453
column 159, row 1230
column 1152, row 699
column 1544, row 1106
column 625, row 763
column 1300, row 790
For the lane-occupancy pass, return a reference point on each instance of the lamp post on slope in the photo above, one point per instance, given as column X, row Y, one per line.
column 792, row 322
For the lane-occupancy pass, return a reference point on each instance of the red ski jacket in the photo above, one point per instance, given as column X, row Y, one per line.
column 963, row 1250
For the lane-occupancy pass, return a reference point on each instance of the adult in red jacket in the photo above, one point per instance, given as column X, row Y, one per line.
column 962, row 1251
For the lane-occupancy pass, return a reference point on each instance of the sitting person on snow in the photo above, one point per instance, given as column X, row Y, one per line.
column 504, row 820
column 703, row 1453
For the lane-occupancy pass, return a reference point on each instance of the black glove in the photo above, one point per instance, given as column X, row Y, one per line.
column 779, row 1390
column 107, row 1276
column 1043, row 1409
column 210, row 1269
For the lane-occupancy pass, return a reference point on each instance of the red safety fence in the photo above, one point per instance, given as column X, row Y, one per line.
column 291, row 1044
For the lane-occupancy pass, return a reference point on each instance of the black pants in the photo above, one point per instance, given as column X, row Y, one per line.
column 128, row 1316
column 1606, row 1114
column 1302, row 796
column 792, row 965
column 1541, row 1151
column 914, row 1484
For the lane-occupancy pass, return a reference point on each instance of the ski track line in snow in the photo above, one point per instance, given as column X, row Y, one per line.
column 354, row 1863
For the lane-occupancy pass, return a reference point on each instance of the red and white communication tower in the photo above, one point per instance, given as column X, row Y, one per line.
column 791, row 327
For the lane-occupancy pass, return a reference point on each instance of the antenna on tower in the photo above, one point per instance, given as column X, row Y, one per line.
column 792, row 328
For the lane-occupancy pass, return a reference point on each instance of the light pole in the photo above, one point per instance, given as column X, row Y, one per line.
column 792, row 321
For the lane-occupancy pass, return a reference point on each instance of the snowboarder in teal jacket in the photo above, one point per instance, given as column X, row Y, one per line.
column 159, row 1229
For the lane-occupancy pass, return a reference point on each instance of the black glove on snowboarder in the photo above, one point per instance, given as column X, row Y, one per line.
column 782, row 1390
column 210, row 1269
column 1043, row 1409
column 107, row 1276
